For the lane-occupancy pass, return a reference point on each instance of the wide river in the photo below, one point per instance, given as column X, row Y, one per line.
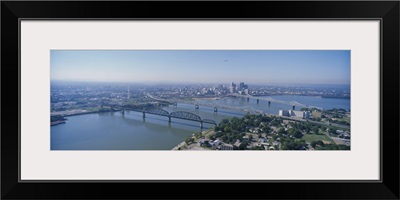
column 129, row 131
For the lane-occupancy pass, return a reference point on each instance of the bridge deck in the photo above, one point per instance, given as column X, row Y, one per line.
column 177, row 115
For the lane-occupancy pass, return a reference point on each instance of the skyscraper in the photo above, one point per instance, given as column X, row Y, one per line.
column 232, row 88
column 241, row 86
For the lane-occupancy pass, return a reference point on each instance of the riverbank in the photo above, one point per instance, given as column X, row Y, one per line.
column 207, row 98
column 68, row 113
column 71, row 112
column 193, row 146
column 179, row 146
column 57, row 122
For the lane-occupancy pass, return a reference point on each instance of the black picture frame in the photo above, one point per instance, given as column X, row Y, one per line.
column 386, row 11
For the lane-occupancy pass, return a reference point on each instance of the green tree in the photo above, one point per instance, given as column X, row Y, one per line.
column 243, row 145
column 258, row 148
column 343, row 147
column 275, row 137
column 266, row 129
column 189, row 140
column 235, row 120
column 224, row 138
column 227, row 129
column 198, row 135
column 294, row 145
column 315, row 143
column 224, row 121
column 332, row 130
column 297, row 134
column 315, row 129
column 57, row 118
column 281, row 131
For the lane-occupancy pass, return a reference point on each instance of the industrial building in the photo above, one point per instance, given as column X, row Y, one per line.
column 295, row 113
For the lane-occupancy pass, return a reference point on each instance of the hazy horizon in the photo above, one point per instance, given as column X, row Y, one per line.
column 151, row 84
column 256, row 67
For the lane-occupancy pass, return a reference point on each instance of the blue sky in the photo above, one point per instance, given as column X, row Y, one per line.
column 202, row 66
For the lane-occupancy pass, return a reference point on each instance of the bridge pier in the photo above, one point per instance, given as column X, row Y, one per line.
column 169, row 119
column 215, row 109
column 144, row 114
column 293, row 107
column 269, row 103
column 248, row 99
column 258, row 101
column 196, row 107
column 201, row 124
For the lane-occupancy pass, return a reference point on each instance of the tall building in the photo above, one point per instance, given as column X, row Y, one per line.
column 241, row 86
column 232, row 88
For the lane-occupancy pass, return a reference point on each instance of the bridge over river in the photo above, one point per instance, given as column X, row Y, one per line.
column 245, row 109
column 214, row 105
column 270, row 99
column 158, row 111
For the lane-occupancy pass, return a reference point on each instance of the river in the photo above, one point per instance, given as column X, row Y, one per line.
column 129, row 131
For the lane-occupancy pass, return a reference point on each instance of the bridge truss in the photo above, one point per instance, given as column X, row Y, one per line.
column 185, row 115
column 157, row 111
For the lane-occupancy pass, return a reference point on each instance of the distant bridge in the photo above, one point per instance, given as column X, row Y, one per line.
column 216, row 106
column 178, row 114
column 270, row 99
column 232, row 108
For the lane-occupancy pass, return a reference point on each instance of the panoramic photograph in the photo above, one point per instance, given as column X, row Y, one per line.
column 200, row 100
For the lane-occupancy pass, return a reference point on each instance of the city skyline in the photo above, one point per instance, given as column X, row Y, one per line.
column 202, row 66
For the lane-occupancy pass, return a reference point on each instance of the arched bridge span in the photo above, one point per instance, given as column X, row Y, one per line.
column 177, row 114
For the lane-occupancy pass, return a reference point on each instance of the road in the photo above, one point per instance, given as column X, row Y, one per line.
column 341, row 140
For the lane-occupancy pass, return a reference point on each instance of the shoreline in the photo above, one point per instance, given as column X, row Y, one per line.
column 55, row 123
column 178, row 146
column 207, row 98
column 303, row 95
column 183, row 142
column 83, row 113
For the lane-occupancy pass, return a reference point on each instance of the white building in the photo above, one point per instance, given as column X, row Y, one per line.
column 295, row 113
column 284, row 113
